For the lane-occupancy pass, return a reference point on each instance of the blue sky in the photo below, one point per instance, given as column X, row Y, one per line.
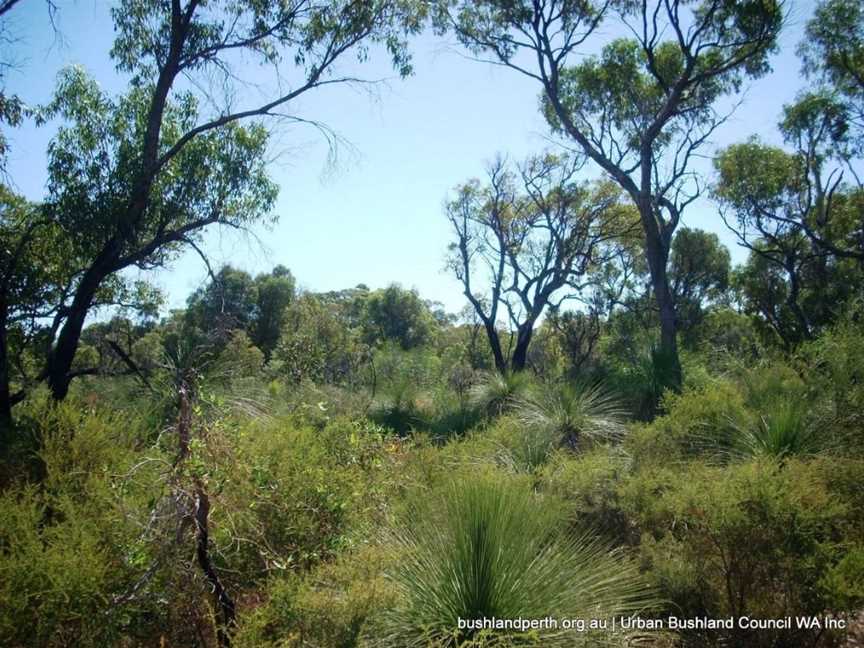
column 376, row 216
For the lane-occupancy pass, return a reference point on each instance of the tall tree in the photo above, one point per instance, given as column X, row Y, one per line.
column 802, row 225
column 276, row 290
column 833, row 50
column 396, row 314
column 39, row 270
column 134, row 179
column 526, row 241
column 699, row 268
column 226, row 303
column 643, row 107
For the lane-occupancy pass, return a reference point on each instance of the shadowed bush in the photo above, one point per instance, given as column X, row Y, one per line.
column 496, row 393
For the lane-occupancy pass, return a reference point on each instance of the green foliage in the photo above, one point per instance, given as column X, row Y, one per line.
column 833, row 48
column 690, row 418
column 329, row 607
column 843, row 583
column 290, row 493
column 491, row 549
column 276, row 291
column 91, row 171
column 70, row 547
column 642, row 381
column 234, row 300
column 728, row 337
column 741, row 496
column 572, row 414
column 748, row 539
column 835, row 376
column 783, row 432
column 316, row 345
column 699, row 268
column 396, row 315
column 56, row 578
column 404, row 379
column 498, row 392
column 589, row 485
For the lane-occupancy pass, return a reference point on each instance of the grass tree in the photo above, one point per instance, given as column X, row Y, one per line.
column 573, row 414
column 492, row 549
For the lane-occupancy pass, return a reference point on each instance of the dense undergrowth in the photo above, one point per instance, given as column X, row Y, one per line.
column 341, row 519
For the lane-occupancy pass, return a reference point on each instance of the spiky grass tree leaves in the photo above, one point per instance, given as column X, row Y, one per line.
column 786, row 431
column 492, row 548
column 573, row 413
column 498, row 392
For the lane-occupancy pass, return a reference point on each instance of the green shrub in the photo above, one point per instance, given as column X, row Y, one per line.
column 496, row 392
column 835, row 375
column 574, row 415
column 843, row 583
column 289, row 494
column 327, row 608
column 71, row 546
column 589, row 484
column 55, row 578
column 493, row 549
column 694, row 421
column 746, row 539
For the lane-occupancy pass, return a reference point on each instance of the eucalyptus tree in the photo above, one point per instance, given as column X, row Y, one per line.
column 31, row 275
column 527, row 240
column 699, row 271
column 645, row 105
column 791, row 207
column 396, row 314
column 833, row 50
column 38, row 272
column 134, row 179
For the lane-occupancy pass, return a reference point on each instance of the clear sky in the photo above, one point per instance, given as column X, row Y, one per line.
column 376, row 217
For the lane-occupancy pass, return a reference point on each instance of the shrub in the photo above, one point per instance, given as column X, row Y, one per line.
column 694, row 422
column 835, row 375
column 497, row 392
column 329, row 607
column 288, row 493
column 573, row 414
column 70, row 547
column 493, row 549
column 589, row 485
column 746, row 539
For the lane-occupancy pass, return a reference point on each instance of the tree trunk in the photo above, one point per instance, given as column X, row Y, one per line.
column 5, row 394
column 792, row 300
column 495, row 344
column 657, row 253
column 62, row 354
column 523, row 338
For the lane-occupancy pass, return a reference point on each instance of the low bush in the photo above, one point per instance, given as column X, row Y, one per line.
column 750, row 539
column 489, row 547
column 327, row 608
column 589, row 485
